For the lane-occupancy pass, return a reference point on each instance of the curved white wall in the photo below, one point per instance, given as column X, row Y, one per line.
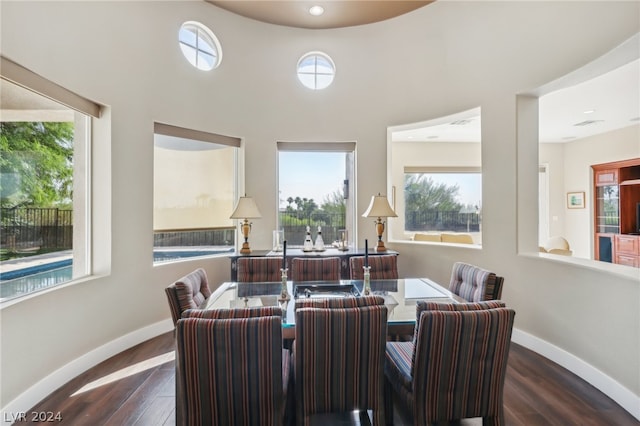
column 441, row 59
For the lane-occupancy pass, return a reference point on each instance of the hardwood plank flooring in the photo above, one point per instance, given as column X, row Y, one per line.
column 137, row 387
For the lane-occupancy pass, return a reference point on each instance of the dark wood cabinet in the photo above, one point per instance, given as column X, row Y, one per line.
column 616, row 209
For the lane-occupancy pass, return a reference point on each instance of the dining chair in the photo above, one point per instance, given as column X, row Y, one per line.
column 315, row 269
column 475, row 284
column 456, row 365
column 338, row 361
column 259, row 269
column 230, row 371
column 383, row 267
column 339, row 302
column 187, row 293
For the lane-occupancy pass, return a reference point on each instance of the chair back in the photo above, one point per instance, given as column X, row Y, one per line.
column 229, row 371
column 187, row 293
column 459, row 365
column 222, row 313
column 339, row 302
column 474, row 283
column 259, row 269
column 174, row 303
column 339, row 361
column 383, row 267
column 315, row 269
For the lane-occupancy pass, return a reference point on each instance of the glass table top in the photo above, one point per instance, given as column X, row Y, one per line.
column 400, row 295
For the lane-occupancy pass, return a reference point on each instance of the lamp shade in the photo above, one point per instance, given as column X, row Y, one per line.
column 379, row 207
column 246, row 209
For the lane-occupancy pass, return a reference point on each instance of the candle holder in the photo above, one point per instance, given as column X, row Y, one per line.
column 367, row 280
column 284, row 293
column 343, row 240
column 278, row 240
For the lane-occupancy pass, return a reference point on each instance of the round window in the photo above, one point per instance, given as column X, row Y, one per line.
column 316, row 70
column 200, row 46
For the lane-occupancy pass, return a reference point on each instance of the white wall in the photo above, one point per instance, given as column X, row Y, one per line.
column 441, row 59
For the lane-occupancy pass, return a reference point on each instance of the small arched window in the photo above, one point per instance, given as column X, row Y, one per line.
column 200, row 46
column 316, row 70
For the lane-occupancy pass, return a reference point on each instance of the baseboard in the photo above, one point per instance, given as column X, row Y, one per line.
column 605, row 384
column 55, row 380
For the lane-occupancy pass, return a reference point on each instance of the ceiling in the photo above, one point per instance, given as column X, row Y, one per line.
column 336, row 14
column 613, row 95
column 601, row 104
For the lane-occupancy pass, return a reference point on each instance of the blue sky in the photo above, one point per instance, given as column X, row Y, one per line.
column 310, row 174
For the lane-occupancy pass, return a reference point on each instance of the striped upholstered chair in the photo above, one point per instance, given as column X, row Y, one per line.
column 455, row 368
column 230, row 371
column 339, row 360
column 383, row 267
column 259, row 269
column 249, row 312
column 474, row 283
column 187, row 293
column 340, row 302
column 315, row 269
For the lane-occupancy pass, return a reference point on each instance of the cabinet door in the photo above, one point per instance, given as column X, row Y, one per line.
column 607, row 177
column 607, row 208
column 628, row 260
column 627, row 244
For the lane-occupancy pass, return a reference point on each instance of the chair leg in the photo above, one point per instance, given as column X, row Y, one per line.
column 388, row 403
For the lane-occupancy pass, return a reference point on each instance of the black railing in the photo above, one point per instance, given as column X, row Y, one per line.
column 26, row 229
column 195, row 237
column 295, row 226
column 432, row 220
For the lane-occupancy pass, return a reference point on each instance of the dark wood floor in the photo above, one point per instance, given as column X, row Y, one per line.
column 137, row 387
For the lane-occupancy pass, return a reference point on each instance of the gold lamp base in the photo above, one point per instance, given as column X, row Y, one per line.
column 246, row 228
column 380, row 230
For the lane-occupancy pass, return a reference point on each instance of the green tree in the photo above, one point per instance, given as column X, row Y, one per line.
column 422, row 193
column 334, row 203
column 36, row 164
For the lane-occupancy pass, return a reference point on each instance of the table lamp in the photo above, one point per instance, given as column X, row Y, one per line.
column 379, row 208
column 246, row 209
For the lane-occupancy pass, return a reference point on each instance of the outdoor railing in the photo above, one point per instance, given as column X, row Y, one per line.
column 25, row 229
column 432, row 220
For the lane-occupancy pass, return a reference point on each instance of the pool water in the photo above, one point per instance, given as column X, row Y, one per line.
column 33, row 278
column 38, row 281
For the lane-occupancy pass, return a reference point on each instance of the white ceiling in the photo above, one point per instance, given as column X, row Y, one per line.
column 613, row 97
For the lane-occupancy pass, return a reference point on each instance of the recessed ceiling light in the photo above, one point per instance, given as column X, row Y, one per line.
column 590, row 111
column 316, row 10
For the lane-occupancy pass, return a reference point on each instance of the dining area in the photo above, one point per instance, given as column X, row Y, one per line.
column 312, row 348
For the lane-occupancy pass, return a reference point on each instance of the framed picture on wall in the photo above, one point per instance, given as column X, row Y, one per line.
column 575, row 200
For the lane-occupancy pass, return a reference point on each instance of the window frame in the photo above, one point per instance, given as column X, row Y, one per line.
column 349, row 148
column 187, row 134
column 85, row 112
column 202, row 34
column 315, row 73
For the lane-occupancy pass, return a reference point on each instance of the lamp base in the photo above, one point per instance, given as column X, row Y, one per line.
column 380, row 247
column 245, row 248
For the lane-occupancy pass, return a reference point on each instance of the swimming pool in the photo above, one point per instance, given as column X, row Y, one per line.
column 35, row 281
column 37, row 277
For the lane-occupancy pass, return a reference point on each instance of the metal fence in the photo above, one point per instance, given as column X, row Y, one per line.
column 432, row 220
column 295, row 226
column 28, row 229
column 195, row 237
column 33, row 229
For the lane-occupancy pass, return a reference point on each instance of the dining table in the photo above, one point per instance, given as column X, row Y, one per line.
column 400, row 297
